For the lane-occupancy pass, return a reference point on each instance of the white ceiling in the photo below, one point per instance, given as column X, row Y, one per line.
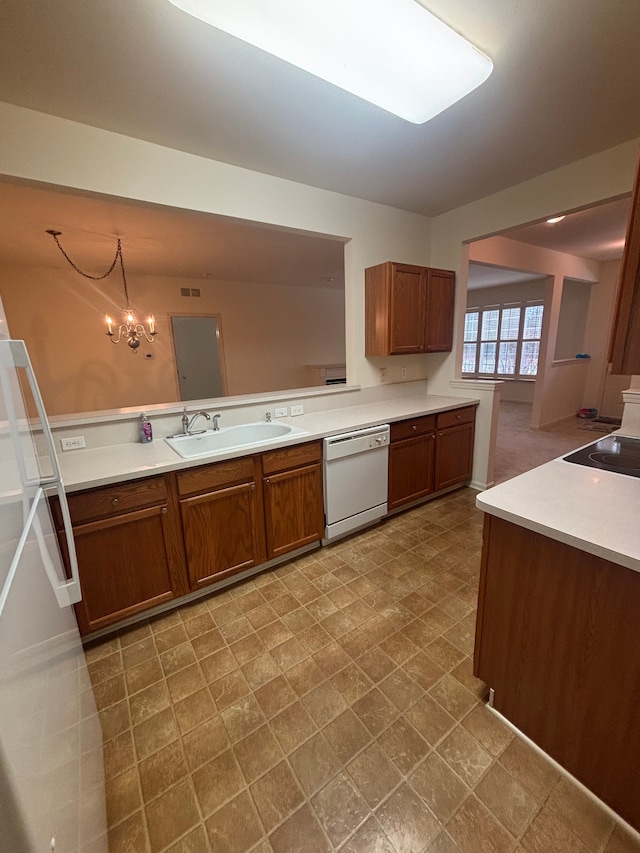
column 485, row 275
column 158, row 241
column 564, row 85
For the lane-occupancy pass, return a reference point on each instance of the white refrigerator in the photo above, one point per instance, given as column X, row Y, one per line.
column 51, row 770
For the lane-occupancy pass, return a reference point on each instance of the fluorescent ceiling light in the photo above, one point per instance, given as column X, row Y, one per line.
column 393, row 53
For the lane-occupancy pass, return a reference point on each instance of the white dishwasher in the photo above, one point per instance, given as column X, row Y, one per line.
column 356, row 473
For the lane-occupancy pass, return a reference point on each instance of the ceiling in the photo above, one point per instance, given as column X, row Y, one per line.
column 158, row 241
column 564, row 86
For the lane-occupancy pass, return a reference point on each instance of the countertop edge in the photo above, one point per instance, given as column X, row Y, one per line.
column 103, row 466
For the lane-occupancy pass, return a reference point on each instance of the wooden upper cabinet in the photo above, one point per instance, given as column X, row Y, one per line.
column 624, row 350
column 408, row 309
column 441, row 286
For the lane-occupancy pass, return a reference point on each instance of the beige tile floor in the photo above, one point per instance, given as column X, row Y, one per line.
column 330, row 705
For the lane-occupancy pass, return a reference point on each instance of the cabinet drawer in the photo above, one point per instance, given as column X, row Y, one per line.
column 113, row 500
column 291, row 457
column 457, row 416
column 217, row 475
column 413, row 427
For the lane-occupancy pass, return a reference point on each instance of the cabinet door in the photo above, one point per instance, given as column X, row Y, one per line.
column 411, row 469
column 223, row 533
column 124, row 566
column 454, row 455
column 624, row 348
column 407, row 296
column 440, row 298
column 294, row 509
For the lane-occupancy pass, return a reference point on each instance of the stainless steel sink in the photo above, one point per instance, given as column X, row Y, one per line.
column 231, row 438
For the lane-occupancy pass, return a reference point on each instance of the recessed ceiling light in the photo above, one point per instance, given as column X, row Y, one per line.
column 555, row 219
column 393, row 53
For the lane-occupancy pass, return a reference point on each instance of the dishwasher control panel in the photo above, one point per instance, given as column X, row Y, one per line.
column 358, row 441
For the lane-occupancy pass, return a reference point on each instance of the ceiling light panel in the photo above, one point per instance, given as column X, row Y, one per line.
column 392, row 53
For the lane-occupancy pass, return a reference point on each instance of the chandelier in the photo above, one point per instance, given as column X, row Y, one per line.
column 130, row 330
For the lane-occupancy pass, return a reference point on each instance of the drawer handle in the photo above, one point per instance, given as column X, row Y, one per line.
column 164, row 510
column 115, row 501
column 414, row 427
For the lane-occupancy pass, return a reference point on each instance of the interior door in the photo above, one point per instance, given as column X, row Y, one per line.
column 197, row 342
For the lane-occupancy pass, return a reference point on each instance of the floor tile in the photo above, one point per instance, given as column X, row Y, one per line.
column 205, row 742
column 340, row 809
column 276, row 795
column 407, row 822
column 241, row 724
column 234, row 828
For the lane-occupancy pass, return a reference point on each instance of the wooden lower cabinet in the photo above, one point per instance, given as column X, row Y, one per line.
column 454, row 446
column 293, row 498
column 239, row 513
column 223, row 525
column 129, row 550
column 411, row 460
column 557, row 639
column 430, row 453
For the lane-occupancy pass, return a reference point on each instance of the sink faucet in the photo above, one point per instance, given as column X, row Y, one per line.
column 216, row 418
column 188, row 424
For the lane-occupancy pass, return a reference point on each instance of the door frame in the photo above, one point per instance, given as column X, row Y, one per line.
column 221, row 352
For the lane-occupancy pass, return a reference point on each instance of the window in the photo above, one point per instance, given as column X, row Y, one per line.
column 502, row 340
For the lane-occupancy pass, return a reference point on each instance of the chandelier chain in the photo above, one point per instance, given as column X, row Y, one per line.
column 117, row 256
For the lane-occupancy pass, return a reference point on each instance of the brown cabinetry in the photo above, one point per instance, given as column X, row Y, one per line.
column 625, row 340
column 430, row 453
column 411, row 460
column 454, row 446
column 222, row 519
column 293, row 500
column 408, row 309
column 557, row 640
column 129, row 550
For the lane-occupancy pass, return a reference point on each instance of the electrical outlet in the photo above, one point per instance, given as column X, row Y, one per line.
column 297, row 410
column 281, row 413
column 75, row 443
column 383, row 375
column 404, row 373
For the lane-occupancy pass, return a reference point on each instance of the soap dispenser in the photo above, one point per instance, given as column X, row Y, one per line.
column 146, row 433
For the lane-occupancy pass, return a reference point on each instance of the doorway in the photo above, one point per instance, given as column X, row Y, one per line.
column 197, row 342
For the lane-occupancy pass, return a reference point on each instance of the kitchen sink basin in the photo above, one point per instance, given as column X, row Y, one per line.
column 230, row 438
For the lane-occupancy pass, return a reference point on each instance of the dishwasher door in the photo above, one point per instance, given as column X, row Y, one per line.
column 356, row 467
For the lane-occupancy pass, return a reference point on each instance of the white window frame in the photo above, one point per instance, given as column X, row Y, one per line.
column 519, row 341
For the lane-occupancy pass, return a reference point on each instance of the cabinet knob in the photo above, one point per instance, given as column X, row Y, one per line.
column 164, row 510
column 414, row 427
column 266, row 481
column 115, row 501
column 253, row 486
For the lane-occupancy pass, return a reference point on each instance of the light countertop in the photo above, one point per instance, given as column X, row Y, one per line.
column 593, row 510
column 84, row 469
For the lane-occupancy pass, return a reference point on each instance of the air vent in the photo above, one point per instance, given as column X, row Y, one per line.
column 195, row 291
column 185, row 291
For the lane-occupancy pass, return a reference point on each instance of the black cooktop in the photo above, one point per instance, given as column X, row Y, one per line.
column 617, row 453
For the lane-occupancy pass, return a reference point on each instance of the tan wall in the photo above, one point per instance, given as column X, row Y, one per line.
column 270, row 334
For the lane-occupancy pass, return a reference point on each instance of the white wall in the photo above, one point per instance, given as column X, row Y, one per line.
column 270, row 334
column 581, row 184
column 88, row 158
